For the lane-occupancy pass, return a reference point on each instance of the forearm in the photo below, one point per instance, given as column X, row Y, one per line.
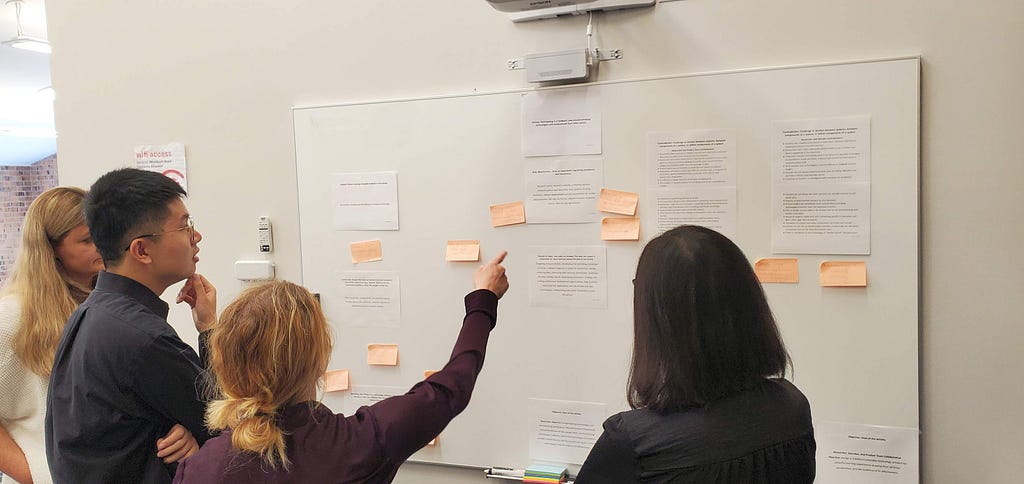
column 408, row 422
column 12, row 459
column 459, row 375
column 208, row 390
column 204, row 348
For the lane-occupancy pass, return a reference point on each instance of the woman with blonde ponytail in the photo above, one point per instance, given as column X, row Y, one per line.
column 269, row 350
column 271, row 346
column 55, row 270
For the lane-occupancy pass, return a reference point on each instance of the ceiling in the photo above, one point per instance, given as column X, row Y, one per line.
column 26, row 118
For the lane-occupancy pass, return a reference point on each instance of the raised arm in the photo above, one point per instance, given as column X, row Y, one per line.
column 406, row 423
column 201, row 296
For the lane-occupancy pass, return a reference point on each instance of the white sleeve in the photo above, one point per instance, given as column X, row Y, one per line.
column 13, row 374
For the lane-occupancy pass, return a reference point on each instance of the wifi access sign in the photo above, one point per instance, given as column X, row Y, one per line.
column 168, row 159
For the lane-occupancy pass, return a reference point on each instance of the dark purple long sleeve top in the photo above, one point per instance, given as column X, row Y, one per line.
column 370, row 445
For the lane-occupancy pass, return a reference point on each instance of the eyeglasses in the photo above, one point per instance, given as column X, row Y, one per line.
column 190, row 225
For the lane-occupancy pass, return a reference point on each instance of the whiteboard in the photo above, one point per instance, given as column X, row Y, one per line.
column 854, row 350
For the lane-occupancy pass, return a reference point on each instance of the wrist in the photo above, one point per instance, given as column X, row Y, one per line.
column 203, row 327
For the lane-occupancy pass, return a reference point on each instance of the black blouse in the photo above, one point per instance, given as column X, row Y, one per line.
column 759, row 435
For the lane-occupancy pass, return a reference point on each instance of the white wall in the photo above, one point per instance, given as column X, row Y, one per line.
column 222, row 75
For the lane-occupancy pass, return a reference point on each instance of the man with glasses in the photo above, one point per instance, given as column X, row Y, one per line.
column 126, row 394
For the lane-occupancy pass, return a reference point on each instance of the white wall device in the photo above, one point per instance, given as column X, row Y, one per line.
column 568, row 65
column 265, row 235
column 254, row 270
column 525, row 10
column 524, row 5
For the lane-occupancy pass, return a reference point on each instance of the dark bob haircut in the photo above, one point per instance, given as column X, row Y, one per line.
column 125, row 202
column 702, row 325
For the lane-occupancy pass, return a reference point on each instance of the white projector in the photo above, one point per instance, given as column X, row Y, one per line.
column 524, row 10
column 525, row 5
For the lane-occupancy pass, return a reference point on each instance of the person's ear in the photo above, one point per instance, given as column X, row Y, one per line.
column 139, row 251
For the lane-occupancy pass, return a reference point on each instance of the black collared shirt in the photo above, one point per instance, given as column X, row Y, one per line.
column 761, row 435
column 121, row 379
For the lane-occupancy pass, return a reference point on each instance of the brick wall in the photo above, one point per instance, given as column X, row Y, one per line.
column 19, row 185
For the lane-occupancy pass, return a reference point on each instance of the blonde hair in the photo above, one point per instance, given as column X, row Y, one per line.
column 46, row 293
column 267, row 352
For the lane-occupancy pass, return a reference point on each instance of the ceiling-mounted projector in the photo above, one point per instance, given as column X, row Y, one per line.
column 525, row 5
column 523, row 10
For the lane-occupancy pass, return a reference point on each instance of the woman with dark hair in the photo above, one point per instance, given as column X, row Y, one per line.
column 709, row 401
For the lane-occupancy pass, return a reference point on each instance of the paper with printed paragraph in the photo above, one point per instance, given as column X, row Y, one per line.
column 568, row 276
column 697, row 157
column 369, row 298
column 561, row 122
column 821, row 186
column 563, row 191
column 866, row 454
column 365, row 201
column 564, row 431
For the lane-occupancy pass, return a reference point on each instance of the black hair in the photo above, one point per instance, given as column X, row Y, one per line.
column 702, row 326
column 124, row 202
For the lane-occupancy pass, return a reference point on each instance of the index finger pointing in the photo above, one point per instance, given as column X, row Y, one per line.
column 498, row 258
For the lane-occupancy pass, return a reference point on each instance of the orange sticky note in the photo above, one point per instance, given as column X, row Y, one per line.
column 382, row 354
column 366, row 251
column 614, row 201
column 462, row 251
column 777, row 270
column 427, row 373
column 835, row 273
column 508, row 214
column 336, row 381
column 620, row 228
column 434, row 440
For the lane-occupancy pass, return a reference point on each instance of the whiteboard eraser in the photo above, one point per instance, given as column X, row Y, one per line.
column 254, row 270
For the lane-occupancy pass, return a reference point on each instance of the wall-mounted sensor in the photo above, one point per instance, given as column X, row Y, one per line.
column 265, row 235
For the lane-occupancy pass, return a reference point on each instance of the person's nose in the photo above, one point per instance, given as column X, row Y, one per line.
column 196, row 236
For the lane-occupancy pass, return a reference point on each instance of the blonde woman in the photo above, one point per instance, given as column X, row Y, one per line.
column 268, row 351
column 54, row 272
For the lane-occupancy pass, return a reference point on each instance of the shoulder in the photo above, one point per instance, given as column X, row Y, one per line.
column 129, row 321
column 117, row 332
column 10, row 311
column 775, row 405
column 625, row 425
column 786, row 395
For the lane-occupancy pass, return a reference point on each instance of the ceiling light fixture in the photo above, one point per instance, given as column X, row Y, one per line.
column 22, row 41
